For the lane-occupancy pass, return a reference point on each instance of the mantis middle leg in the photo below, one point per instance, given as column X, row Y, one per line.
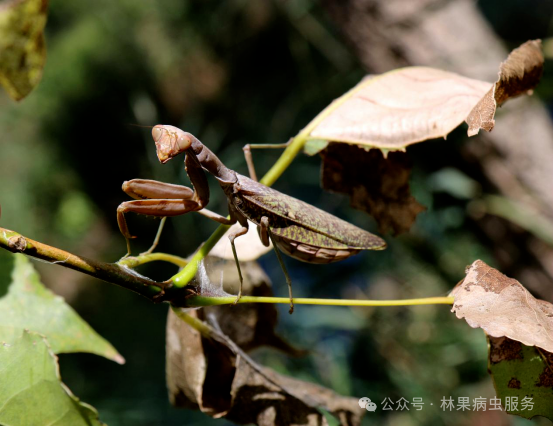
column 265, row 234
column 264, row 229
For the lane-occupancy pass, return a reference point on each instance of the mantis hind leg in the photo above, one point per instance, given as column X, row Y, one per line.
column 264, row 232
column 155, row 207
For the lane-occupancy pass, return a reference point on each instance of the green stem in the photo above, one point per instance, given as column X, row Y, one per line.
column 189, row 271
column 297, row 143
column 195, row 323
column 286, row 158
column 211, row 301
column 134, row 261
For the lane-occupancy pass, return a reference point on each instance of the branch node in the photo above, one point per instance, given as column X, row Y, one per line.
column 17, row 243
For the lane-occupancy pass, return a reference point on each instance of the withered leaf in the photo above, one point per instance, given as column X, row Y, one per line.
column 22, row 48
column 186, row 365
column 519, row 74
column 285, row 400
column 375, row 184
column 503, row 307
column 216, row 376
column 401, row 107
column 522, row 374
column 413, row 104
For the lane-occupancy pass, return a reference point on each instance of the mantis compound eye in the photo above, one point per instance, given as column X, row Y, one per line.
column 162, row 138
column 157, row 132
column 169, row 142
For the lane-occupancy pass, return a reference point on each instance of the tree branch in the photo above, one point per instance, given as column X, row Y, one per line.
column 112, row 273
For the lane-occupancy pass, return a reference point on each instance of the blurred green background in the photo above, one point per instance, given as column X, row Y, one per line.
column 232, row 73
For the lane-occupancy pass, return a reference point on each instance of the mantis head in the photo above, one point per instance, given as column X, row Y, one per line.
column 170, row 141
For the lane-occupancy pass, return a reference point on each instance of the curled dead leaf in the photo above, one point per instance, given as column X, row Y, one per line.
column 375, row 184
column 503, row 307
column 519, row 74
column 216, row 376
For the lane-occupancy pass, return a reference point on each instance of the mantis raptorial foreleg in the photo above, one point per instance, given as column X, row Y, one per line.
column 160, row 199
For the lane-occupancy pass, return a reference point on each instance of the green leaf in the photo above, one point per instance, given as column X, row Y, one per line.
column 32, row 392
column 519, row 372
column 22, row 49
column 30, row 305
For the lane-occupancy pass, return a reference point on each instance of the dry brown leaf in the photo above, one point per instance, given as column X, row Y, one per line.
column 285, row 400
column 185, row 363
column 248, row 246
column 503, row 307
column 414, row 104
column 519, row 74
column 402, row 107
column 217, row 377
column 249, row 325
column 377, row 185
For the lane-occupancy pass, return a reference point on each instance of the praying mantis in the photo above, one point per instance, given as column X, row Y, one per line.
column 294, row 227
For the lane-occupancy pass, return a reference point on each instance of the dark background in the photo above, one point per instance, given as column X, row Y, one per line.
column 232, row 73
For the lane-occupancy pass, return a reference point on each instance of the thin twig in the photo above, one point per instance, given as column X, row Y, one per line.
column 221, row 300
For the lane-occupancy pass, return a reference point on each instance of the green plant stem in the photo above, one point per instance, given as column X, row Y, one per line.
column 285, row 159
column 198, row 325
column 190, row 270
column 211, row 301
column 134, row 261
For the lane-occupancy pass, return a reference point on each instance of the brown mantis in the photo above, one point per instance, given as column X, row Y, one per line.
column 296, row 228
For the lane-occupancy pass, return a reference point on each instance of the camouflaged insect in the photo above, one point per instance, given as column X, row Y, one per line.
column 296, row 228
